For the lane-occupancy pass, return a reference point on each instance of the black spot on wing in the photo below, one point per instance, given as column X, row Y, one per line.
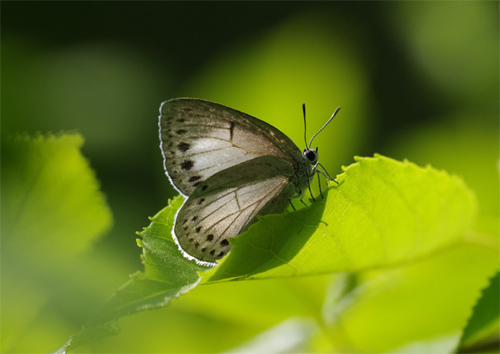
column 194, row 178
column 183, row 147
column 187, row 164
column 201, row 201
column 224, row 242
column 210, row 237
column 181, row 131
column 231, row 131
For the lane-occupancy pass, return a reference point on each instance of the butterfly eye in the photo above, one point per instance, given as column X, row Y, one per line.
column 311, row 155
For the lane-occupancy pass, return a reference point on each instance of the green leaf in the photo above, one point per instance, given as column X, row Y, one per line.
column 48, row 192
column 420, row 307
column 167, row 273
column 52, row 211
column 483, row 327
column 383, row 212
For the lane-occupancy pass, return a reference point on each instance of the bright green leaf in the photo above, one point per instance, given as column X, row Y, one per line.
column 52, row 211
column 483, row 327
column 420, row 307
column 383, row 212
column 167, row 273
column 48, row 193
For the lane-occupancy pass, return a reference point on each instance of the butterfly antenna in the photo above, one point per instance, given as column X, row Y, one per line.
column 304, row 111
column 324, row 126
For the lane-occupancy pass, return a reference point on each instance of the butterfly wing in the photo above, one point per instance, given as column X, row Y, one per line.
column 228, row 202
column 201, row 138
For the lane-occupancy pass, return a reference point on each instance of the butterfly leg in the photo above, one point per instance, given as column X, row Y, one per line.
column 319, row 183
column 310, row 191
column 301, row 198
column 324, row 172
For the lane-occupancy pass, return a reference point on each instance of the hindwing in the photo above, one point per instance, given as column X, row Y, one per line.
column 225, row 204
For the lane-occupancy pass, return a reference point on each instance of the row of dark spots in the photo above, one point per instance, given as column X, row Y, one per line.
column 210, row 238
column 194, row 179
column 223, row 243
column 167, row 132
column 185, row 165
column 193, row 219
column 171, row 118
column 212, row 252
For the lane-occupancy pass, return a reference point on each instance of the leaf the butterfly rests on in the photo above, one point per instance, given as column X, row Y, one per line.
column 231, row 167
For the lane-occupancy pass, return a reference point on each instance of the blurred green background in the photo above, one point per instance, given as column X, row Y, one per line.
column 416, row 80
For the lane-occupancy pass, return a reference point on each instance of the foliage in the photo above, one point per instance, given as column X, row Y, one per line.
column 397, row 258
column 52, row 212
column 393, row 234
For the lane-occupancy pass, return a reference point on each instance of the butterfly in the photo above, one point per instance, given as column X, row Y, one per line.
column 229, row 167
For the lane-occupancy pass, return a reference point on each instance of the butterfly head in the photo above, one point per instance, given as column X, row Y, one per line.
column 311, row 155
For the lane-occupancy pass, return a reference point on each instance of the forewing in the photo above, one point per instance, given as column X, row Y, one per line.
column 201, row 138
column 228, row 202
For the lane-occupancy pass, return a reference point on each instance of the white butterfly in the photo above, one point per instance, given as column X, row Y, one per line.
column 230, row 167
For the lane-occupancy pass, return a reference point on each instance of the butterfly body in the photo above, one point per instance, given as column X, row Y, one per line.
column 231, row 167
